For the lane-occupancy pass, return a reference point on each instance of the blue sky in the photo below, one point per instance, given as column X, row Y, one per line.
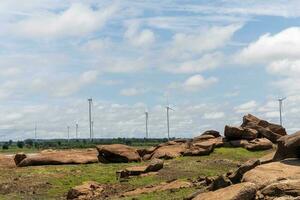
column 215, row 61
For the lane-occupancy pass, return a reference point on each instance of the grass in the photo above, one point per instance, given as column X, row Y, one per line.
column 53, row 182
column 15, row 149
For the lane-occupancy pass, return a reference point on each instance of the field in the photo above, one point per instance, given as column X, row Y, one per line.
column 53, row 182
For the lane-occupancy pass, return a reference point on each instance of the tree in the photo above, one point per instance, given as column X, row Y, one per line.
column 29, row 142
column 20, row 144
column 10, row 142
column 5, row 146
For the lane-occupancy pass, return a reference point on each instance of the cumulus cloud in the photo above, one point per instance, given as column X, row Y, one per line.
column 202, row 41
column 268, row 48
column 137, row 37
column 247, row 107
column 198, row 82
column 214, row 115
column 77, row 20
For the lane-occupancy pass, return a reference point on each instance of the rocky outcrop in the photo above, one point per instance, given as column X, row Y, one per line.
column 253, row 128
column 288, row 147
column 245, row 191
column 264, row 175
column 239, row 133
column 259, row 144
column 265, row 129
column 86, row 191
column 56, row 158
column 117, row 153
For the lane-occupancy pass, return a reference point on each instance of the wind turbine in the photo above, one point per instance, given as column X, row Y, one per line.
column 280, row 100
column 147, row 117
column 168, row 117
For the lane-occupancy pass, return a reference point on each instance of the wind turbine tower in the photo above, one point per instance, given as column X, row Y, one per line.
column 90, row 118
column 147, row 117
column 168, row 120
column 280, row 100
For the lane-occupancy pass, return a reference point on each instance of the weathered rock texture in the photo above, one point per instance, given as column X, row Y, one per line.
column 56, row 158
column 86, row 191
column 242, row 191
column 288, row 147
column 252, row 130
column 117, row 153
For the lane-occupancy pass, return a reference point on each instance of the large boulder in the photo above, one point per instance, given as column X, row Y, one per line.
column 242, row 191
column 269, row 173
column 237, row 175
column 169, row 151
column 282, row 188
column 155, row 165
column 56, row 158
column 265, row 129
column 117, row 153
column 288, row 147
column 238, row 133
column 259, row 144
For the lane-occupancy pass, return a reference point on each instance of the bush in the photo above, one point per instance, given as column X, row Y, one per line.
column 5, row 146
column 29, row 142
column 20, row 144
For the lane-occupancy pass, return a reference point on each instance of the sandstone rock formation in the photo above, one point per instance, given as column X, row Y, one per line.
column 86, row 191
column 288, row 147
column 252, row 128
column 56, row 158
column 116, row 153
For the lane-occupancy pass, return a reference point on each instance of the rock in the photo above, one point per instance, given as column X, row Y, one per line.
column 239, row 143
column 242, row 191
column 250, row 120
column 57, row 158
column 117, row 153
column 288, row 147
column 19, row 157
column 177, row 184
column 238, row 133
column 202, row 138
column 170, row 151
column 265, row 129
column 269, row 173
column 283, row 188
column 219, row 182
column 237, row 176
column 88, row 190
column 195, row 150
column 259, row 144
column 212, row 132
column 155, row 165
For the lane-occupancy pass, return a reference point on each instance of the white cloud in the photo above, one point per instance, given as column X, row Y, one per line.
column 206, row 62
column 198, row 82
column 130, row 92
column 268, row 48
column 77, row 20
column 214, row 115
column 247, row 107
column 138, row 37
column 202, row 41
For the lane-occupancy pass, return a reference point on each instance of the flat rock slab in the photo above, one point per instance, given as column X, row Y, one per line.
column 177, row 184
column 7, row 161
column 267, row 174
column 58, row 158
column 242, row 191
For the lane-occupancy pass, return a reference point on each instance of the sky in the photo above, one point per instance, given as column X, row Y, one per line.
column 211, row 61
